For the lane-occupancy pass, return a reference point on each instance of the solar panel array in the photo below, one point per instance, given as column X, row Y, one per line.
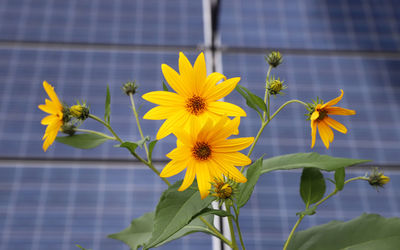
column 80, row 47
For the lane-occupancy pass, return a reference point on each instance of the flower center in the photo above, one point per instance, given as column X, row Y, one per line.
column 201, row 151
column 322, row 114
column 196, row 105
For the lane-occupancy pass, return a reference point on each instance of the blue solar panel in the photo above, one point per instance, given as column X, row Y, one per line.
column 77, row 75
column 312, row 24
column 176, row 22
column 57, row 207
column 370, row 87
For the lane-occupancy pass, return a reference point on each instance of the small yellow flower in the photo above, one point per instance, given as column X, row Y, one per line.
column 320, row 118
column 377, row 178
column 79, row 111
column 222, row 189
column 55, row 120
column 206, row 153
column 196, row 97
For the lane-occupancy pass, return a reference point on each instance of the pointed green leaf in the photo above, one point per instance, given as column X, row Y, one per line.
column 82, row 248
column 256, row 100
column 246, row 189
column 248, row 99
column 164, row 86
column 138, row 232
column 131, row 146
column 312, row 186
column 367, row 232
column 174, row 211
column 208, row 211
column 151, row 148
column 107, row 109
column 305, row 160
column 82, row 141
column 340, row 175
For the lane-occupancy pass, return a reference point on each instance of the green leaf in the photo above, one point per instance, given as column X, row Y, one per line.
column 308, row 211
column 151, row 148
column 207, row 211
column 138, row 233
column 340, row 175
column 249, row 100
column 174, row 211
column 82, row 248
column 305, row 160
column 312, row 186
column 131, row 146
column 246, row 189
column 107, row 109
column 367, row 232
column 164, row 86
column 256, row 100
column 82, row 141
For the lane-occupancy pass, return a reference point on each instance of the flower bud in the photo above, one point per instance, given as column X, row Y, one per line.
column 377, row 179
column 79, row 111
column 274, row 59
column 130, row 88
column 223, row 189
column 275, row 86
column 68, row 129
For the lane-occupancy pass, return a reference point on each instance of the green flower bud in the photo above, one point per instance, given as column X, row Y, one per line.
column 274, row 59
column 130, row 88
column 377, row 179
column 79, row 111
column 68, row 129
column 275, row 86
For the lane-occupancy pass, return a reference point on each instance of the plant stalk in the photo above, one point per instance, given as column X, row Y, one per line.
column 138, row 125
column 212, row 228
column 95, row 133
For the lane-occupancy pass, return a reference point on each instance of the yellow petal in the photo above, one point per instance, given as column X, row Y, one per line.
column 203, row 179
column 230, row 171
column 339, row 111
column 234, row 158
column 189, row 178
column 325, row 132
column 223, row 89
column 49, row 119
column 180, row 153
column 173, row 167
column 224, row 128
column 174, row 80
column 333, row 101
column 161, row 112
column 186, row 73
column 50, row 92
column 212, row 80
column 172, row 123
column 226, row 108
column 335, row 124
column 51, row 134
column 232, row 145
column 313, row 132
column 314, row 115
column 200, row 73
column 164, row 98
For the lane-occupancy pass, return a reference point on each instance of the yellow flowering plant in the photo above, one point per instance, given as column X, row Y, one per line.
column 215, row 168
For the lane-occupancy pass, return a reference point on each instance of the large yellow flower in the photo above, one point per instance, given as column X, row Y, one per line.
column 206, row 153
column 196, row 97
column 320, row 118
column 54, row 121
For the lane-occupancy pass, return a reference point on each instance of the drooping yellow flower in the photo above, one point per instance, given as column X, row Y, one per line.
column 206, row 153
column 54, row 121
column 196, row 97
column 321, row 119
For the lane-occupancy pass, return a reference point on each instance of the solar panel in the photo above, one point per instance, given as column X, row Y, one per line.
column 56, row 207
column 370, row 87
column 332, row 25
column 176, row 22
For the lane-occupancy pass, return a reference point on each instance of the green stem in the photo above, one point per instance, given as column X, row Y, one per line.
column 106, row 125
column 234, row 244
column 238, row 227
column 266, row 95
column 212, row 228
column 319, row 203
column 95, row 133
column 138, row 124
column 292, row 232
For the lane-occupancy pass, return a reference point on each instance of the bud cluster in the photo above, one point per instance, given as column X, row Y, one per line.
column 274, row 59
column 130, row 88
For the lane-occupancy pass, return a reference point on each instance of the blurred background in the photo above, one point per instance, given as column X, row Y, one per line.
column 66, row 196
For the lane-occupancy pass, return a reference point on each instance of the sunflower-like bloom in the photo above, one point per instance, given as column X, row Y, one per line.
column 54, row 121
column 206, row 153
column 320, row 118
column 196, row 97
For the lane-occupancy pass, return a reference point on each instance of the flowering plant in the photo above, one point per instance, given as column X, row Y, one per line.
column 213, row 185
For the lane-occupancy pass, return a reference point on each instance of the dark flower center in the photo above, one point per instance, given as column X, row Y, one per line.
column 196, row 105
column 322, row 114
column 201, row 151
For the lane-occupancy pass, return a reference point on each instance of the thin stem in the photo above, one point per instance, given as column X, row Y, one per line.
column 266, row 95
column 95, row 133
column 292, row 232
column 234, row 244
column 238, row 227
column 138, row 124
column 106, row 125
column 212, row 228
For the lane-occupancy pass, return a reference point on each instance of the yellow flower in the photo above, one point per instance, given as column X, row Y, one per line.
column 320, row 118
column 196, row 97
column 206, row 153
column 54, row 121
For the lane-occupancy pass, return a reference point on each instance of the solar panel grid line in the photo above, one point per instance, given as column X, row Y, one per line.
column 373, row 34
column 70, row 209
column 37, row 231
column 283, row 213
column 99, row 212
